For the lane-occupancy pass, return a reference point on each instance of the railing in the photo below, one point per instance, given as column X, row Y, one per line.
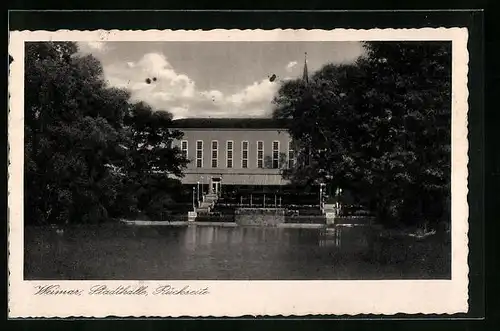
column 278, row 199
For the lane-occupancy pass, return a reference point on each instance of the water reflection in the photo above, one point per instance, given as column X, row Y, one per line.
column 190, row 238
column 206, row 252
column 352, row 239
column 197, row 236
column 339, row 238
column 266, row 252
column 332, row 237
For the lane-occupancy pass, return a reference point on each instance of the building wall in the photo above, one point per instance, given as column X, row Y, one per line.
column 237, row 175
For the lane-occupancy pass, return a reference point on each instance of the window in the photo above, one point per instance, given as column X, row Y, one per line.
column 199, row 154
column 184, row 148
column 291, row 155
column 244, row 154
column 229, row 154
column 215, row 153
column 260, row 154
column 276, row 154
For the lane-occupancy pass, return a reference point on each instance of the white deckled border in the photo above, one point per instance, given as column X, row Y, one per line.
column 237, row 298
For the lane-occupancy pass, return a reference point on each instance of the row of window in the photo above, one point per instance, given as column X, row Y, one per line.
column 244, row 154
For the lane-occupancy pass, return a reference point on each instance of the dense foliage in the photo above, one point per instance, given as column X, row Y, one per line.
column 82, row 141
column 379, row 128
column 151, row 157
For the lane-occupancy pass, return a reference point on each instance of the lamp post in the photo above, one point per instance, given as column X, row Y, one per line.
column 202, row 183
column 338, row 192
column 194, row 207
column 321, row 193
column 219, row 192
column 198, row 189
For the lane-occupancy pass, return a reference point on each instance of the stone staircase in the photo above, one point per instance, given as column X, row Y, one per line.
column 207, row 203
column 330, row 213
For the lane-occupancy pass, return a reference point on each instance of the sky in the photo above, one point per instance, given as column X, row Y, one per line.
column 212, row 79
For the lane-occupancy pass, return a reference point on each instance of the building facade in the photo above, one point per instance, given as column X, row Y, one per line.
column 239, row 152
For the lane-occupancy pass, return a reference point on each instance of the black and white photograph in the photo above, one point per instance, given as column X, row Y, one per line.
column 255, row 160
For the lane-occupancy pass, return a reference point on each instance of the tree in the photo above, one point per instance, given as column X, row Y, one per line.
column 153, row 159
column 407, row 92
column 380, row 127
column 90, row 153
column 320, row 115
column 89, row 150
column 152, row 139
column 72, row 132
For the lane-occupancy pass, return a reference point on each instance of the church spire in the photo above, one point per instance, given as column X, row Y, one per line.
column 305, row 74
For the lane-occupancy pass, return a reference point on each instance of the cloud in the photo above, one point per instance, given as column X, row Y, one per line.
column 177, row 93
column 256, row 93
column 291, row 65
column 92, row 47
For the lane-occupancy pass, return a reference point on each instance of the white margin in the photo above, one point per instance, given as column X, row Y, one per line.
column 237, row 298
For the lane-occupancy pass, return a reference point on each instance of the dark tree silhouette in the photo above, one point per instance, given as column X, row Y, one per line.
column 83, row 140
column 379, row 127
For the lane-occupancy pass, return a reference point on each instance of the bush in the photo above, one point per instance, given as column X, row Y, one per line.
column 158, row 208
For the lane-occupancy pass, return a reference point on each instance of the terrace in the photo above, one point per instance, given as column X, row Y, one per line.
column 296, row 207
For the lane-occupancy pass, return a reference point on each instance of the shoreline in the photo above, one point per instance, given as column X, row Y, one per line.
column 234, row 224
column 381, row 232
column 176, row 223
column 221, row 224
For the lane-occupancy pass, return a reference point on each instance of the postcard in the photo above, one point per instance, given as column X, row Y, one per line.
column 238, row 172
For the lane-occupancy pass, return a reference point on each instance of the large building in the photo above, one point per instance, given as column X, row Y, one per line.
column 236, row 152
column 248, row 152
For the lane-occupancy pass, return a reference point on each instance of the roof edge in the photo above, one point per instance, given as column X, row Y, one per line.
column 230, row 123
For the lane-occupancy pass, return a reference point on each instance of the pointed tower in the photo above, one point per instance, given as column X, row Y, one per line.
column 305, row 78
column 305, row 74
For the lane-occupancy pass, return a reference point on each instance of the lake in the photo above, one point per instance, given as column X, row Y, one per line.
column 119, row 252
